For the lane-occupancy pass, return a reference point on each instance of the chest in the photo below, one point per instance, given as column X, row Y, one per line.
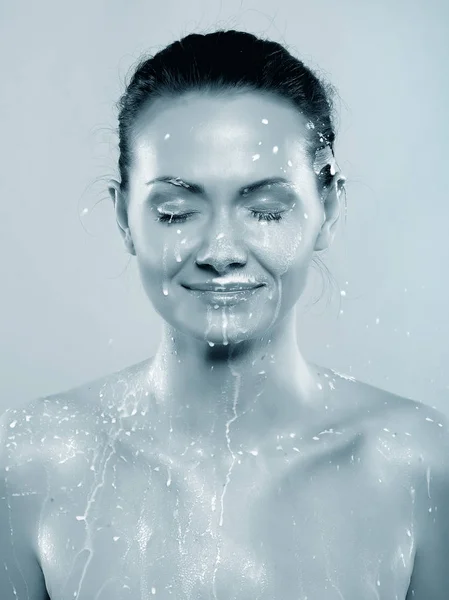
column 303, row 525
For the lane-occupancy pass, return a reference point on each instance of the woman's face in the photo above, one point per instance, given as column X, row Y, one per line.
column 239, row 205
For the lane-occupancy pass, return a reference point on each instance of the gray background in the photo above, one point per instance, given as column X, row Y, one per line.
column 72, row 308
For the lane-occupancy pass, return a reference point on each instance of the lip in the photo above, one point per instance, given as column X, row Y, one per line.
column 224, row 288
column 226, row 297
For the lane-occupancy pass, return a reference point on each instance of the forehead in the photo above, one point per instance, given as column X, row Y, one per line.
column 206, row 136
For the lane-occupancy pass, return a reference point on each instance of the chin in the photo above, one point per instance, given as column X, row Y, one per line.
column 216, row 336
column 224, row 331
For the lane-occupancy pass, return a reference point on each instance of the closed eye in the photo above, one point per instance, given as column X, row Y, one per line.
column 257, row 214
column 266, row 216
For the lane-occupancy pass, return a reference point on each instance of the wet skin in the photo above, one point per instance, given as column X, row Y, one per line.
column 227, row 467
column 109, row 497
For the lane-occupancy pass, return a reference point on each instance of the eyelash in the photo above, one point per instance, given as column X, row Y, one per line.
column 259, row 215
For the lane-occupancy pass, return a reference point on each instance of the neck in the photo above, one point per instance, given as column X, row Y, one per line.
column 261, row 383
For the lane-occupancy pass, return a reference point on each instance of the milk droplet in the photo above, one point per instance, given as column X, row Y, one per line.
column 265, row 121
column 211, row 344
column 256, row 157
column 290, row 164
column 84, row 211
column 167, row 135
column 343, row 293
column 275, row 149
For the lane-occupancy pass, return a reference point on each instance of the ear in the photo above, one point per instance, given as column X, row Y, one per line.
column 331, row 202
column 121, row 214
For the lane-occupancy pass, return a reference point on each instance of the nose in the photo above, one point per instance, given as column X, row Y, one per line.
column 222, row 247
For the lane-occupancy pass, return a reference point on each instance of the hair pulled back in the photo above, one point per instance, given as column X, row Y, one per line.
column 227, row 60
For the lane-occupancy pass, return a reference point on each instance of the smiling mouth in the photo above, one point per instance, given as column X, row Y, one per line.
column 224, row 295
column 222, row 289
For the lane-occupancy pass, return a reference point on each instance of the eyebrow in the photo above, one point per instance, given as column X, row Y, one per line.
column 196, row 188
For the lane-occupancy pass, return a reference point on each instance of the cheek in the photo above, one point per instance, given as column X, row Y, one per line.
column 161, row 249
column 161, row 257
column 282, row 248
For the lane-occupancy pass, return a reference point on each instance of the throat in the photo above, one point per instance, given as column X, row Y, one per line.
column 253, row 387
column 248, row 404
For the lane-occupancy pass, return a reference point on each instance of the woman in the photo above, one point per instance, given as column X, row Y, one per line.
column 227, row 466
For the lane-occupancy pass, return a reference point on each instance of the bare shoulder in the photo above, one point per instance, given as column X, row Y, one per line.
column 39, row 440
column 408, row 431
column 22, row 494
column 22, row 470
column 412, row 441
column 425, row 428
column 43, row 434
column 43, row 428
column 57, row 426
column 33, row 431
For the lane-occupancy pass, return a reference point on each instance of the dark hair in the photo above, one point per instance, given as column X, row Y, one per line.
column 227, row 60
